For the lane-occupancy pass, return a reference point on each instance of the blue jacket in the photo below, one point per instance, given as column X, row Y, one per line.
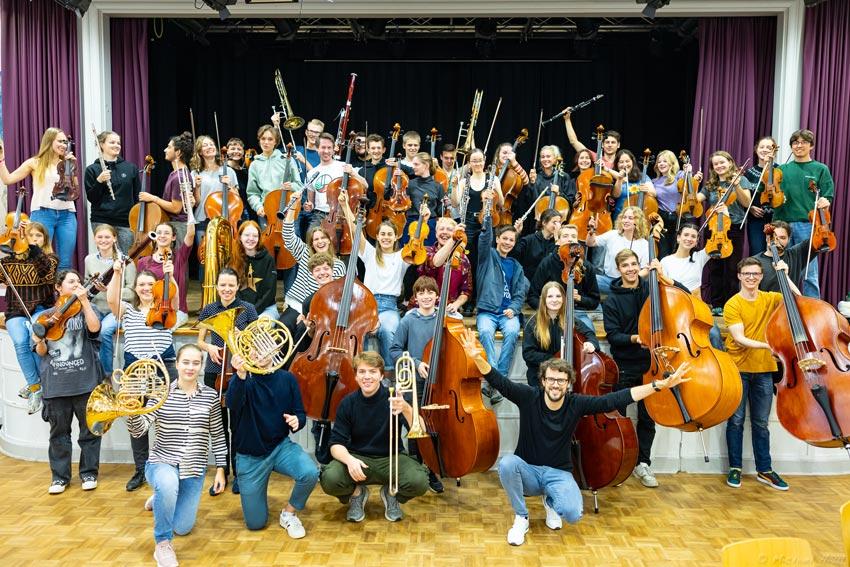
column 489, row 277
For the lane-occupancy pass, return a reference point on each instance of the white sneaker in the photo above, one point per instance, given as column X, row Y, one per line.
column 292, row 525
column 164, row 554
column 553, row 520
column 149, row 504
column 57, row 487
column 25, row 392
column 516, row 535
column 645, row 475
column 89, row 482
column 34, row 403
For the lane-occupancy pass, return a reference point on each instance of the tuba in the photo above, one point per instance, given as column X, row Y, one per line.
column 466, row 136
column 126, row 393
column 265, row 345
column 290, row 121
column 218, row 242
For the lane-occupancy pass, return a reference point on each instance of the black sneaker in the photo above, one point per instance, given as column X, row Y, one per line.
column 235, row 486
column 733, row 479
column 136, row 482
column 435, row 484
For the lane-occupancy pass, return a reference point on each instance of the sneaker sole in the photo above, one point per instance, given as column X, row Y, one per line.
column 559, row 524
column 733, row 485
column 770, row 484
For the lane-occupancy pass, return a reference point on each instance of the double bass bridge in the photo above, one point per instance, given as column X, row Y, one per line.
column 665, row 354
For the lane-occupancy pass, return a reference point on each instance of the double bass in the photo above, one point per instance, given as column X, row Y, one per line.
column 144, row 216
column 811, row 339
column 509, row 181
column 464, row 438
column 342, row 313
column 675, row 325
column 334, row 223
column 605, row 445
column 278, row 201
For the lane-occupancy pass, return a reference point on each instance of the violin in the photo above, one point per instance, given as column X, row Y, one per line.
column 51, row 324
column 718, row 244
column 380, row 182
column 162, row 315
column 772, row 196
column 440, row 175
column 811, row 339
column 464, row 437
column 509, row 181
column 67, row 188
column 342, row 313
column 487, row 206
column 572, row 256
column 335, row 224
column 688, row 187
column 414, row 251
column 555, row 201
column 675, row 325
column 249, row 156
column 645, row 202
column 395, row 208
column 144, row 216
column 280, row 201
column 225, row 203
column 14, row 240
column 605, row 444
column 823, row 239
column 459, row 236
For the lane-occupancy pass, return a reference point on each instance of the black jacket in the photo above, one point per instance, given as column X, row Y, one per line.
column 550, row 270
column 417, row 189
column 534, row 355
column 531, row 249
column 125, row 185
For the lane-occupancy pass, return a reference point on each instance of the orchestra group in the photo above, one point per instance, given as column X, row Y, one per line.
column 379, row 259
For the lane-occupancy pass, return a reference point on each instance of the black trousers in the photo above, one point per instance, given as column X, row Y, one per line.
column 60, row 413
column 645, row 425
column 723, row 273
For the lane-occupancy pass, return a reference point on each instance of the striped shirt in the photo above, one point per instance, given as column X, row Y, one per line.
column 140, row 340
column 304, row 284
column 184, row 428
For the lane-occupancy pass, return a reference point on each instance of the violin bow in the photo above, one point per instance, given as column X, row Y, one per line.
column 816, row 190
column 492, row 124
column 537, row 144
column 725, row 195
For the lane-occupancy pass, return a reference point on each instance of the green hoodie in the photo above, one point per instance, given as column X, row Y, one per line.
column 267, row 174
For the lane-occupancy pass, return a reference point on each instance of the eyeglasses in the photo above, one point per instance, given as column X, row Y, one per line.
column 314, row 132
column 800, row 142
column 558, row 381
column 751, row 275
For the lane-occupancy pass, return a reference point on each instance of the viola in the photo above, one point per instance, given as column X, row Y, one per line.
column 249, row 156
column 464, row 437
column 342, row 313
column 509, row 181
column 162, row 315
column 279, row 201
column 811, row 340
column 688, row 187
column 718, row 244
column 641, row 199
column 555, row 201
column 145, row 217
column 334, row 223
column 395, row 208
column 414, row 251
column 440, row 175
column 823, row 239
column 772, row 196
column 51, row 324
column 605, row 444
column 67, row 188
column 675, row 325
column 14, row 240
column 380, row 182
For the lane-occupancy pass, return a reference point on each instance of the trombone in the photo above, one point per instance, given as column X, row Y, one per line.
column 290, row 121
column 468, row 134
column 405, row 382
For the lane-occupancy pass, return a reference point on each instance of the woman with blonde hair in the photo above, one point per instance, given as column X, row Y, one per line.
column 630, row 232
column 668, row 197
column 58, row 214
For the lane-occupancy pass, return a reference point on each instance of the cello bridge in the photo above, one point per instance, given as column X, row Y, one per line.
column 338, row 349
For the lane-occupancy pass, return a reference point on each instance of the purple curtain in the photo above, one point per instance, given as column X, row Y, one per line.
column 734, row 86
column 40, row 87
column 825, row 111
column 129, row 53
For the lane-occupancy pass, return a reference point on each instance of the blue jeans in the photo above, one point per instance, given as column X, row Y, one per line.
column 20, row 331
column 175, row 500
column 519, row 479
column 755, row 234
column 270, row 312
column 108, row 325
column 289, row 459
column 801, row 231
column 389, row 319
column 758, row 390
column 487, row 324
column 604, row 283
column 62, row 225
column 582, row 315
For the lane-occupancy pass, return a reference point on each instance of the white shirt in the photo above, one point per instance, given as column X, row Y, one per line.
column 386, row 279
column 687, row 273
column 318, row 179
column 614, row 242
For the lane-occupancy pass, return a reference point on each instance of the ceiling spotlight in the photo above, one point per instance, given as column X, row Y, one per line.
column 221, row 7
column 286, row 29
column 485, row 28
column 79, row 7
column 651, row 7
column 586, row 28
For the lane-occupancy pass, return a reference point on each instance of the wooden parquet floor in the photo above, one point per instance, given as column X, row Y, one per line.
column 686, row 521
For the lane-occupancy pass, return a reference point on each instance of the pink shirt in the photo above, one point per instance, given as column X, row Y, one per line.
column 181, row 271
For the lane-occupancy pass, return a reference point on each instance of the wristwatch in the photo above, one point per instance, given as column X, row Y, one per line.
column 655, row 386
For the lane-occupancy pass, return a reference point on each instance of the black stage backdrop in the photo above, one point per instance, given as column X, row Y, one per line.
column 649, row 92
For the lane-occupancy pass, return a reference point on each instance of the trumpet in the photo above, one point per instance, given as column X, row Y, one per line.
column 468, row 134
column 290, row 121
column 185, row 181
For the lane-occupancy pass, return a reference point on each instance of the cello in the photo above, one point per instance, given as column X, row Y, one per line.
column 440, row 175
column 810, row 338
column 335, row 224
column 342, row 313
column 509, row 181
column 555, row 200
column 278, row 201
column 675, row 325
column 688, row 186
column 225, row 203
column 594, row 189
column 145, row 216
column 380, row 183
column 605, row 445
column 463, row 438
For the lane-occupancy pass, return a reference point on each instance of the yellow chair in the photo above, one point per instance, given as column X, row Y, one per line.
column 768, row 552
column 845, row 529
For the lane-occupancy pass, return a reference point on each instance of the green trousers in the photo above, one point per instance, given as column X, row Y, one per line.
column 412, row 477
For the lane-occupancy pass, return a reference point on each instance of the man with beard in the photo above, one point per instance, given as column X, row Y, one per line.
column 542, row 464
column 794, row 256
